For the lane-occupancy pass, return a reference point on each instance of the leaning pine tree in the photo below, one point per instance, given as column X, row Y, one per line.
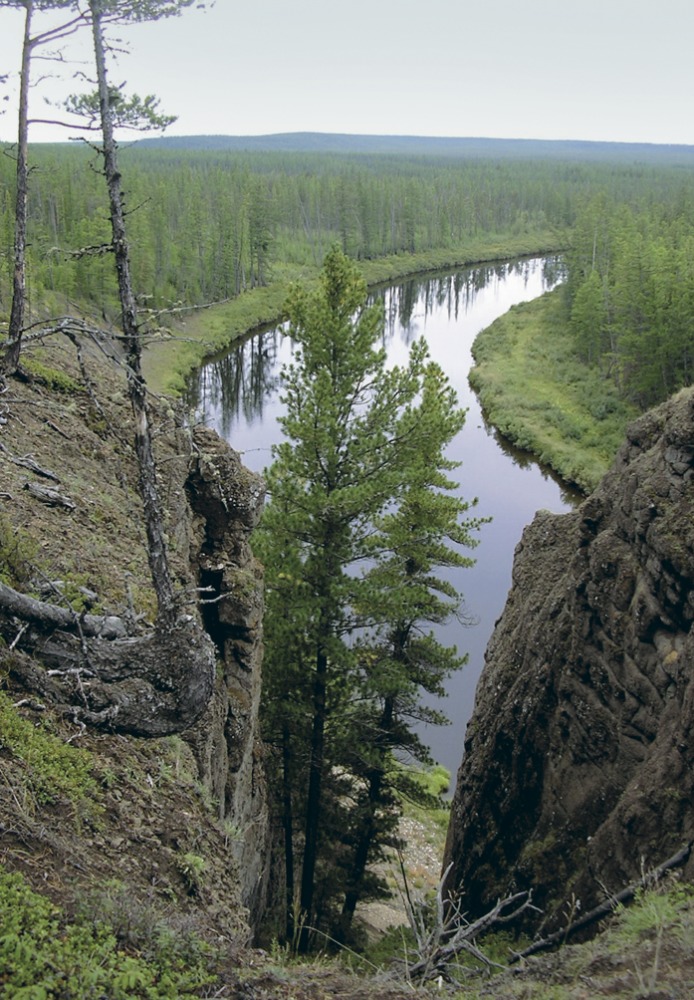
column 363, row 441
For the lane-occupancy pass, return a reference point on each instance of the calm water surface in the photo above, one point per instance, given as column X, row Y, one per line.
column 238, row 395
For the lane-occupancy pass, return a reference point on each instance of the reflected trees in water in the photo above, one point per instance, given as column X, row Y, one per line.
column 239, row 383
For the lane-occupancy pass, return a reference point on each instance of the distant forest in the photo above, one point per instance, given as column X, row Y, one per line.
column 211, row 217
column 415, row 145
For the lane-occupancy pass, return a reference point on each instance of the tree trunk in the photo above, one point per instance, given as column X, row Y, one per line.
column 366, row 835
column 137, row 390
column 313, row 803
column 153, row 685
column 16, row 324
column 288, row 830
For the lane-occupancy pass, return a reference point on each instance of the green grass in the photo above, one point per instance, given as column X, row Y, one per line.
column 167, row 362
column 433, row 811
column 539, row 395
column 52, row 378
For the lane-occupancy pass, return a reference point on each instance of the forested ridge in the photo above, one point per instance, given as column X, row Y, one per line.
column 630, row 294
column 463, row 146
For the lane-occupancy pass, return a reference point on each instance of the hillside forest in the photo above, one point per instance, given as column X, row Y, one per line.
column 209, row 225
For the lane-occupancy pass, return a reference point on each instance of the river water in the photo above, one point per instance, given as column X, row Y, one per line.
column 238, row 395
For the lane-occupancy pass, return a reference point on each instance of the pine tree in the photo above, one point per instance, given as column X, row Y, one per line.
column 15, row 331
column 401, row 657
column 109, row 107
column 361, row 439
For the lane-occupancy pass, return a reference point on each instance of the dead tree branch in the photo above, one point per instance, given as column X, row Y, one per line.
column 451, row 933
column 29, row 609
column 49, row 496
column 96, row 250
column 27, row 462
column 609, row 906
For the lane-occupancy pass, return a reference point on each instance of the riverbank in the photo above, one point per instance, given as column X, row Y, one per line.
column 542, row 398
column 169, row 360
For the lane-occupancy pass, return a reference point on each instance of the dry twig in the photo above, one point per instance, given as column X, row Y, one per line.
column 451, row 933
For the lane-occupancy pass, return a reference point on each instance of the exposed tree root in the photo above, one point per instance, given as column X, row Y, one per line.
column 148, row 685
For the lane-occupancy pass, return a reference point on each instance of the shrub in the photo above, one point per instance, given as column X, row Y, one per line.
column 53, row 769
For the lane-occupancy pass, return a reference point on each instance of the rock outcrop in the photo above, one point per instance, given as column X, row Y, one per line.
column 579, row 758
column 226, row 500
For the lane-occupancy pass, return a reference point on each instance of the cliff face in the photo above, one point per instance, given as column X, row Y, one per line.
column 578, row 767
column 226, row 500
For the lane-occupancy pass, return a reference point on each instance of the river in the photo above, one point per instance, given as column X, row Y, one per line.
column 238, row 395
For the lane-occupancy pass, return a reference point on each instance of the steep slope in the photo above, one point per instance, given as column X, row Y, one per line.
column 179, row 819
column 578, row 767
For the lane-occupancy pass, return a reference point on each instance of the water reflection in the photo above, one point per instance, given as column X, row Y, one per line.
column 238, row 383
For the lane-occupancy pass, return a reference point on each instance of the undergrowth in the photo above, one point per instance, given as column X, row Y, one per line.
column 51, row 769
column 45, row 957
column 643, row 950
column 17, row 554
column 52, row 378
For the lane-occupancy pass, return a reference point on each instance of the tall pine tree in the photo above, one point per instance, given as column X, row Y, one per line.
column 363, row 441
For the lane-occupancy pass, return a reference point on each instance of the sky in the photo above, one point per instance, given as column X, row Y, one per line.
column 604, row 70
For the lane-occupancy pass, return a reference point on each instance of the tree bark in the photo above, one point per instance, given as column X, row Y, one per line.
column 288, row 831
column 367, row 832
column 151, row 685
column 137, row 390
column 314, row 798
column 16, row 324
column 49, row 616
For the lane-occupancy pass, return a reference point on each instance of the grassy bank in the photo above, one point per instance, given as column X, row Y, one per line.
column 168, row 361
column 538, row 394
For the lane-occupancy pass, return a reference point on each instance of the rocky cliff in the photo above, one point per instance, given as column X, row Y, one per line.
column 578, row 767
column 226, row 500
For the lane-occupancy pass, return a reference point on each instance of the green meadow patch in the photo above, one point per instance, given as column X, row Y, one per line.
column 539, row 395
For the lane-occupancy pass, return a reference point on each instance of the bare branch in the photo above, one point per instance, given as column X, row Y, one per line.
column 29, row 609
column 98, row 250
column 61, row 31
column 451, row 933
column 27, row 462
column 55, row 121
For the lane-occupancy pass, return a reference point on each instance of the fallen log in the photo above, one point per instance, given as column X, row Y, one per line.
column 50, row 496
column 50, row 616
column 609, row 905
